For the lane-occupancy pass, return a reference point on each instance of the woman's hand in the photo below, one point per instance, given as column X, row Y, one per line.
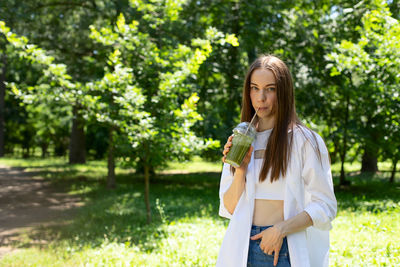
column 246, row 159
column 227, row 146
column 271, row 241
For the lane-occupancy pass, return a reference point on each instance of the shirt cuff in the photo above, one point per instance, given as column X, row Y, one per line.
column 318, row 216
column 223, row 212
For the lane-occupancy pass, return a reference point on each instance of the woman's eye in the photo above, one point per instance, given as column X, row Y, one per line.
column 268, row 89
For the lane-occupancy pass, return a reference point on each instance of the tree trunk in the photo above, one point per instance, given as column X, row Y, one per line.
column 140, row 168
column 44, row 148
column 393, row 170
column 369, row 161
column 60, row 148
column 147, row 192
column 111, row 162
column 342, row 180
column 77, row 148
column 25, row 153
column 2, row 103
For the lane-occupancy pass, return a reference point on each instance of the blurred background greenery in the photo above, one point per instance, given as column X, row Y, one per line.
column 121, row 79
column 149, row 89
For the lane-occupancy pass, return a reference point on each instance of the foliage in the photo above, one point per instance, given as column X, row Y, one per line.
column 156, row 122
column 221, row 76
column 160, row 36
column 130, row 98
column 61, row 28
column 371, row 66
column 165, row 132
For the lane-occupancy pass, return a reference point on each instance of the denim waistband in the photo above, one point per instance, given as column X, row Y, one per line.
column 260, row 228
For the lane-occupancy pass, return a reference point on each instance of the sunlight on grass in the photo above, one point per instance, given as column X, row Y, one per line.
column 110, row 229
column 366, row 239
column 356, row 166
column 186, row 242
column 196, row 165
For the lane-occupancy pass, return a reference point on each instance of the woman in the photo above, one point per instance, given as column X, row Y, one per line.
column 280, row 201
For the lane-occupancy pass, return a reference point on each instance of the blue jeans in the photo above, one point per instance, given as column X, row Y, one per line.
column 257, row 257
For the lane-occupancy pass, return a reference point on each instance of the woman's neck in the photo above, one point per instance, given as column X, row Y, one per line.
column 265, row 124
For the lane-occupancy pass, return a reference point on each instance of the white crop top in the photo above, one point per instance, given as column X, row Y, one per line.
column 266, row 189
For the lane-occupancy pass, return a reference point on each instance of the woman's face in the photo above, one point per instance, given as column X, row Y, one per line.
column 263, row 93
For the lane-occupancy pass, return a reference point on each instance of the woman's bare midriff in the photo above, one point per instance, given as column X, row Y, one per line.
column 267, row 212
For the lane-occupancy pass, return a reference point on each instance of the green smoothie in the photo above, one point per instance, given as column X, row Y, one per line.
column 241, row 143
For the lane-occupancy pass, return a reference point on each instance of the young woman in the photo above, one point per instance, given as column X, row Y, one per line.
column 280, row 201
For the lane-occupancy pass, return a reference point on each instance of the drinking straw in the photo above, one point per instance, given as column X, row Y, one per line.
column 251, row 121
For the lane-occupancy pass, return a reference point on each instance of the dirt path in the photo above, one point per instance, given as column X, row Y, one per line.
column 26, row 202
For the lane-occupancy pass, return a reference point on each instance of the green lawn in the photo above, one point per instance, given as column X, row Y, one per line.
column 110, row 229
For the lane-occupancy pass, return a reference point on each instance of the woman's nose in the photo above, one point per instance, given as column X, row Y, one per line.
column 262, row 96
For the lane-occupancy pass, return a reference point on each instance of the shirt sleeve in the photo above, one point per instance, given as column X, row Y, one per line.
column 226, row 181
column 318, row 183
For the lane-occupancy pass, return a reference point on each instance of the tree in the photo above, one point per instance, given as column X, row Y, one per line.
column 220, row 79
column 160, row 68
column 3, row 69
column 372, row 68
column 61, row 28
column 308, row 34
column 54, row 86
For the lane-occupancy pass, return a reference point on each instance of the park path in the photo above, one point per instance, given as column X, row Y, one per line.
column 28, row 201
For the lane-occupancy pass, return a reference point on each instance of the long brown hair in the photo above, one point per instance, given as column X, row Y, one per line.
column 279, row 147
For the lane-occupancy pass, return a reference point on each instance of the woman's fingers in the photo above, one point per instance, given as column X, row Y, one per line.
column 248, row 155
column 226, row 150
column 271, row 246
column 227, row 146
column 276, row 257
column 250, row 150
column 270, row 252
column 257, row 236
column 247, row 158
column 266, row 249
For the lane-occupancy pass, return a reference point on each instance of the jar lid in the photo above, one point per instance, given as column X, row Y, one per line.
column 242, row 128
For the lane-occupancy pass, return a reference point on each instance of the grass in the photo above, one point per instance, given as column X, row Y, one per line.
column 110, row 229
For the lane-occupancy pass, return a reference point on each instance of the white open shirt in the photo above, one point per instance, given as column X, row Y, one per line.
column 309, row 188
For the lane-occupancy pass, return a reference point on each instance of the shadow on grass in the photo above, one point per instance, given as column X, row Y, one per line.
column 368, row 193
column 120, row 215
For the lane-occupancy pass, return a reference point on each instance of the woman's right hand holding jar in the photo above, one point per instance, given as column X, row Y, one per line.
column 246, row 160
